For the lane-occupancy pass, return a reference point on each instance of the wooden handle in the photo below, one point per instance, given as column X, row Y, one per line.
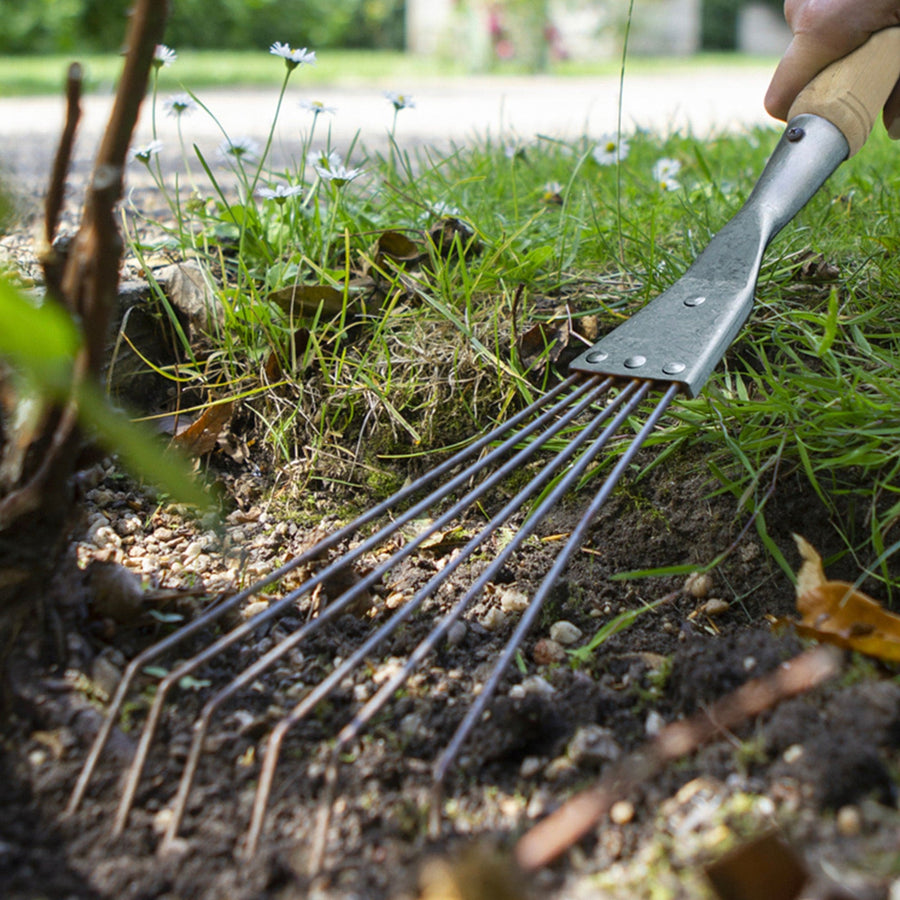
column 851, row 92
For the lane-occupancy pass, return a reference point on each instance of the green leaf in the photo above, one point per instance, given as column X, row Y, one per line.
column 140, row 449
column 39, row 339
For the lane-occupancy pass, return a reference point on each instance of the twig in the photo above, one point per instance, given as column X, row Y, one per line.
column 559, row 831
column 89, row 282
column 56, row 190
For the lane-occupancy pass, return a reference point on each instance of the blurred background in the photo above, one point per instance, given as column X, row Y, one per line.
column 479, row 35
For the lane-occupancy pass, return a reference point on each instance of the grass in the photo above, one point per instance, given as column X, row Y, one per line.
column 203, row 69
column 384, row 314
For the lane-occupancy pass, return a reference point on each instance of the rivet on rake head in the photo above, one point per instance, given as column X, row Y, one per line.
column 795, row 133
column 673, row 368
column 596, row 356
column 695, row 301
column 635, row 362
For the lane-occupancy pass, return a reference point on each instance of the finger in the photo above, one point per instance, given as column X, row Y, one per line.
column 892, row 113
column 805, row 57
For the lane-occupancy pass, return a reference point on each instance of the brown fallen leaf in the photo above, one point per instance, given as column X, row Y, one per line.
column 542, row 341
column 397, row 246
column 202, row 435
column 837, row 613
column 479, row 871
column 763, row 869
column 306, row 300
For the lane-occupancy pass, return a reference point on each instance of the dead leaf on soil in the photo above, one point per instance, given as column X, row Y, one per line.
column 815, row 267
column 450, row 234
column 397, row 246
column 479, row 872
column 763, row 869
column 835, row 612
column 544, row 340
column 304, row 301
column 202, row 435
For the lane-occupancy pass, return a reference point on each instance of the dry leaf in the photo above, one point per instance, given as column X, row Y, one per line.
column 836, row 613
column 305, row 300
column 202, row 435
column 764, row 869
column 479, row 871
column 449, row 233
column 544, row 340
column 397, row 246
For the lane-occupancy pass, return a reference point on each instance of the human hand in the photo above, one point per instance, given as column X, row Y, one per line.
column 824, row 31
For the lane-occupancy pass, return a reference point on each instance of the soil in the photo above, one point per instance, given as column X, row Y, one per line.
column 822, row 770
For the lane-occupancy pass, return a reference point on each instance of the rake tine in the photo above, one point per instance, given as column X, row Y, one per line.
column 447, row 757
column 275, row 609
column 589, row 393
column 628, row 398
column 327, row 542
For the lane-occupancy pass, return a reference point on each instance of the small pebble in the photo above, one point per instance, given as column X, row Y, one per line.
column 714, row 607
column 654, row 724
column 193, row 550
column 592, row 745
column 548, row 651
column 849, row 821
column 493, row 620
column 698, row 584
column 559, row 768
column 621, row 812
column 254, row 608
column 534, row 684
column 792, row 753
column 456, row 633
column 531, row 765
column 513, row 601
column 565, row 633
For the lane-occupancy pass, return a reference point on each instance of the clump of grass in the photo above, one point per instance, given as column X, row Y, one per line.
column 372, row 303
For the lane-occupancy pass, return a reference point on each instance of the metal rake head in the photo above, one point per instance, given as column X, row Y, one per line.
column 597, row 405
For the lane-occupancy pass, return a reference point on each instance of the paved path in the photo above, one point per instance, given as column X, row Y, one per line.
column 713, row 99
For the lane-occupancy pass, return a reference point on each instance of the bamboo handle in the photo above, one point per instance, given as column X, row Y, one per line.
column 851, row 92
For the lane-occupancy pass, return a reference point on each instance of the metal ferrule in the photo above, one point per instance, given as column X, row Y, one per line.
column 681, row 335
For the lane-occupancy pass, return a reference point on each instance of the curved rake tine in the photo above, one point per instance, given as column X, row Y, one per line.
column 212, row 615
column 324, row 688
column 589, row 393
column 633, row 394
column 574, row 541
column 388, row 530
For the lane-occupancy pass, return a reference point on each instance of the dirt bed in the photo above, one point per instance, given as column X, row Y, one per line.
column 822, row 769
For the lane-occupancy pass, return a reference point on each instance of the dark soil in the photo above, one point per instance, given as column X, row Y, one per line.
column 824, row 769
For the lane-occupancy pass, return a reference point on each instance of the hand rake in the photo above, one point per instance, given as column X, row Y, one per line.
column 671, row 345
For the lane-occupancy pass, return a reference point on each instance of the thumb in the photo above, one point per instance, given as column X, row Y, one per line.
column 804, row 58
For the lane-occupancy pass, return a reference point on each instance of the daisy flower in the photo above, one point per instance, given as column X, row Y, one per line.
column 338, row 174
column 400, row 101
column 243, row 149
column 444, row 210
column 280, row 192
column 293, row 58
column 146, row 153
column 163, row 56
column 324, row 159
column 664, row 172
column 610, row 149
column 179, row 105
column 514, row 150
column 317, row 107
column 553, row 193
